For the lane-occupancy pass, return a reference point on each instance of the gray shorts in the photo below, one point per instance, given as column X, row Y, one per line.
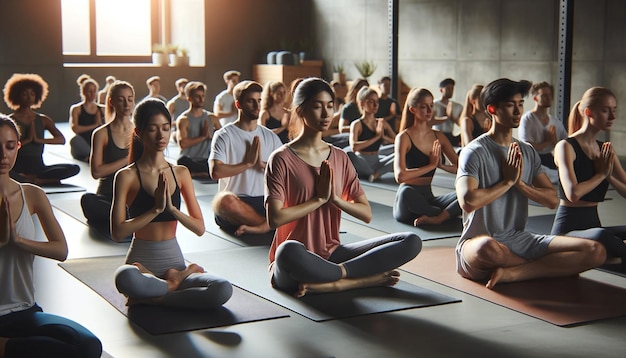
column 524, row 244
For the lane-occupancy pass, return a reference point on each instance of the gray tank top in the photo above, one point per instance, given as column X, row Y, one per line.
column 194, row 129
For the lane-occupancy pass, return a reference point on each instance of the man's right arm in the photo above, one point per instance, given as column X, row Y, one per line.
column 218, row 169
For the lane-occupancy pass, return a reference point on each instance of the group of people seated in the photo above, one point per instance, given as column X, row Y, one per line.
column 299, row 189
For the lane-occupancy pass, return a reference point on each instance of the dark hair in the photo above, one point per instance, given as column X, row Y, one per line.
column 304, row 92
column 384, row 78
column 145, row 110
column 447, row 81
column 534, row 89
column 412, row 99
column 20, row 82
column 502, row 89
column 591, row 99
column 6, row 121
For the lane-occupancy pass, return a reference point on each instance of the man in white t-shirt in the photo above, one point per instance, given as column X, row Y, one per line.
column 447, row 112
column 541, row 129
column 224, row 105
column 239, row 153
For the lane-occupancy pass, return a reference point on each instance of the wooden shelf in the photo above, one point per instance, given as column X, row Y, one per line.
column 286, row 74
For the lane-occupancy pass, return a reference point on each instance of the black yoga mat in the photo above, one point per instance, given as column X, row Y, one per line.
column 247, row 268
column 616, row 269
column 97, row 273
column 382, row 220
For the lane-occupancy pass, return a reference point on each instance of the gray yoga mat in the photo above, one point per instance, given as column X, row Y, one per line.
column 248, row 269
column 62, row 188
column 97, row 273
column 382, row 220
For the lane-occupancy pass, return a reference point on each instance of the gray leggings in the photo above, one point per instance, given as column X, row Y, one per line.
column 197, row 291
column 295, row 264
column 368, row 164
column 413, row 201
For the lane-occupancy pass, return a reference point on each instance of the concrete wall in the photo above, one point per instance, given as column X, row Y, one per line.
column 238, row 34
column 476, row 41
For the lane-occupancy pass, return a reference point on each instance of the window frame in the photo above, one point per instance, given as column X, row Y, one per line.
column 157, row 24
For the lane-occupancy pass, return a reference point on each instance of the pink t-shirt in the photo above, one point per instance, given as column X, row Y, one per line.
column 292, row 181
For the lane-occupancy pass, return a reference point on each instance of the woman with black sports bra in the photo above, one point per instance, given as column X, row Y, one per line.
column 109, row 154
column 367, row 134
column 586, row 168
column 473, row 119
column 85, row 117
column 151, row 189
column 415, row 203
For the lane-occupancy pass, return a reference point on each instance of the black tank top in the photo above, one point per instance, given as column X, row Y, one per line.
column 144, row 202
column 367, row 133
column 583, row 167
column 85, row 119
column 272, row 123
column 415, row 158
column 478, row 129
column 110, row 154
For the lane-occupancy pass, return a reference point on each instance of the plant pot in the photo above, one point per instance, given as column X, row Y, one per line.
column 178, row 61
column 339, row 77
column 159, row 59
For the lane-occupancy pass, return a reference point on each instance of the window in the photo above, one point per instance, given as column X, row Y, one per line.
column 124, row 31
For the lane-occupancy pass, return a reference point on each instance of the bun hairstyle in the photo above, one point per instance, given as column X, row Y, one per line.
column 591, row 99
column 145, row 110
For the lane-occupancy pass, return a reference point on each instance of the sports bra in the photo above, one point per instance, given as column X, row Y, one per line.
column 415, row 158
column 110, row 154
column 366, row 134
column 584, row 169
column 478, row 129
column 144, row 202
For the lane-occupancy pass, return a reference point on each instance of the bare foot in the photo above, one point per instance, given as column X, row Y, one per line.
column 141, row 267
column 174, row 277
column 374, row 177
column 432, row 220
column 247, row 229
column 389, row 278
column 496, row 276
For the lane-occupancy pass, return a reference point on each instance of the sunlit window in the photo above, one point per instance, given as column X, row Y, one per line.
column 124, row 31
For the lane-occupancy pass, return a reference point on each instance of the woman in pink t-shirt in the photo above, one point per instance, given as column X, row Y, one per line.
column 308, row 184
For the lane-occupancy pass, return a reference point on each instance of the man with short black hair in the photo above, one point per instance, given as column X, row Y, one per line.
column 497, row 175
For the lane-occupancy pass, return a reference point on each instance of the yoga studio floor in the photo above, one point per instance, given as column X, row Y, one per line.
column 458, row 325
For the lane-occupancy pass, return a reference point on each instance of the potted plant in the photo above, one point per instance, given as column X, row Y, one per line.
column 365, row 68
column 339, row 74
column 159, row 54
column 179, row 56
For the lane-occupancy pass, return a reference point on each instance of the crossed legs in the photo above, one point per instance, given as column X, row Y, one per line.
column 240, row 214
column 487, row 258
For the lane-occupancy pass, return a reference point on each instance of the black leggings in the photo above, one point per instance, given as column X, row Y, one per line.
column 34, row 165
column 585, row 223
column 295, row 264
column 33, row 333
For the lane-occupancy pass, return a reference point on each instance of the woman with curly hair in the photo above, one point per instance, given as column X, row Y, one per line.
column 24, row 93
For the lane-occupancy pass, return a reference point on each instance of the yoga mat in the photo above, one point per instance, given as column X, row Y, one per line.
column 382, row 220
column 62, row 188
column 616, row 269
column 540, row 224
column 248, row 269
column 98, row 272
column 71, row 207
column 243, row 240
column 563, row 301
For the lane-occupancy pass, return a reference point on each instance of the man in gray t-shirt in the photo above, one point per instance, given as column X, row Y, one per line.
column 497, row 175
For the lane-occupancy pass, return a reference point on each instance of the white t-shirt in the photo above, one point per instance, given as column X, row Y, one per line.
column 226, row 101
column 532, row 130
column 229, row 146
column 440, row 111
